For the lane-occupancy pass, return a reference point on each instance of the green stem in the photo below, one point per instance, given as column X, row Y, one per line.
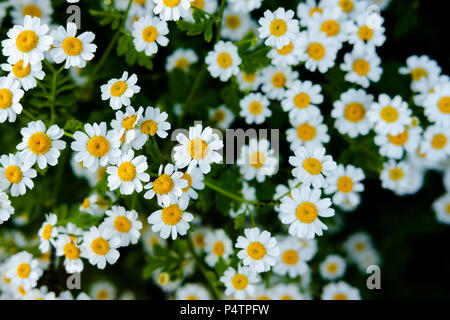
column 28, row 114
column 226, row 193
column 287, row 193
column 252, row 218
column 219, row 21
column 68, row 135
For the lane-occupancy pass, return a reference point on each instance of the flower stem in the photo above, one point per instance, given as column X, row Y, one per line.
column 226, row 193
column 28, row 114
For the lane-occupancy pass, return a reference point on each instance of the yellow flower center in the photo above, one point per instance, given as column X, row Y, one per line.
column 13, row 174
column 286, row 49
column 163, row 278
column 314, row 10
column 140, row 2
column 256, row 250
column 418, row 73
column 47, row 232
column 86, row 203
column 149, row 127
column 122, row 224
column 71, row 251
column 171, row 3
column 345, row 184
column 330, row 27
column 239, row 281
column 278, row 27
column 102, row 295
column 27, row 40
column 19, row 71
column 257, row 159
column 98, row 146
column 182, row 63
column 263, row 298
column 255, row 107
column 444, row 104
column 118, row 88
column 100, row 172
column 23, row 270
column 365, row 33
column 199, row 240
column 312, row 166
column 186, row 176
column 149, row 34
column 332, row 267
column 39, row 143
column 126, row 171
column 218, row 116
column 198, row 4
column 316, row 51
column 389, row 114
column 439, row 141
column 354, row 112
column 191, row 297
column 396, row 174
column 400, row 139
column 218, row 248
column 306, row 212
column 224, row 60
column 279, row 80
column 22, row 290
column 233, row 22
column 286, row 297
column 360, row 247
column 447, row 208
column 5, row 98
column 163, row 184
column 100, row 246
column 72, row 46
column 31, row 10
column 346, row 5
column 340, row 296
column 249, row 77
column 198, row 149
column 361, row 67
column 306, row 132
column 172, row 214
column 290, row 257
column 302, row 100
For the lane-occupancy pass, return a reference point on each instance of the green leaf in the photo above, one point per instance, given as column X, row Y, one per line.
column 239, row 221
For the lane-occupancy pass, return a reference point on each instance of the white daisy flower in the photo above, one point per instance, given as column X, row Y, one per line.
column 311, row 166
column 257, row 160
column 259, row 249
column 10, row 95
column 39, row 145
column 125, row 126
column 275, row 81
column 209, row 6
column 217, row 245
column 75, row 50
column 48, row 232
column 138, row 9
column 350, row 113
column 168, row 187
column 255, row 108
column 437, row 105
column 149, row 239
column 290, row 261
column 249, row 194
column 25, row 75
column 360, row 34
column 249, row 82
column 194, row 182
column 67, row 295
column 245, row 5
column 171, row 220
column 129, row 173
column 103, row 290
column 148, row 33
column 96, row 147
column 362, row 66
column 420, row 68
column 286, row 292
column 96, row 204
column 307, row 10
column 15, row 173
column 99, row 248
column 222, row 116
column 223, row 61
column 198, row 237
column 345, row 183
column 441, row 207
column 307, row 132
column 382, row 4
column 301, row 98
column 303, row 210
column 6, row 210
column 357, row 245
column 41, row 293
column 430, row 85
column 395, row 176
column 27, row 42
column 152, row 123
column 23, row 270
column 119, row 91
column 350, row 8
column 172, row 9
column 192, row 291
column 289, row 55
column 394, row 146
column 181, row 59
column 199, row 148
column 122, row 224
column 308, row 248
column 35, row 8
column 165, row 282
column 340, row 291
column 278, row 28
column 236, row 24
column 318, row 50
column 331, row 22
column 241, row 283
column 67, row 247
column 333, row 267
column 436, row 143
column 389, row 115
